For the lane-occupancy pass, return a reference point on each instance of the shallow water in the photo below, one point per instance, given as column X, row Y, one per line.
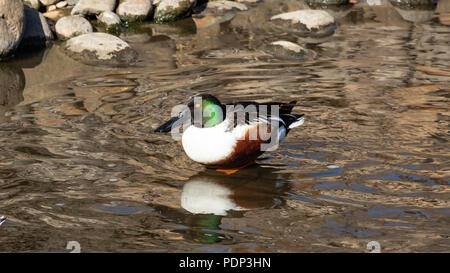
column 79, row 161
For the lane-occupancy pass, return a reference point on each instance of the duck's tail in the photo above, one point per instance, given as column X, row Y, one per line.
column 292, row 120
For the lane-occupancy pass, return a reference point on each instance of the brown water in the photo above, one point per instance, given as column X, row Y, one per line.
column 79, row 161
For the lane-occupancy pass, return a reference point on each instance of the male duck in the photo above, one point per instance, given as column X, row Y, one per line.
column 247, row 131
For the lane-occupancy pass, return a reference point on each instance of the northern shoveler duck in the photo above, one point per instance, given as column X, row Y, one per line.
column 231, row 136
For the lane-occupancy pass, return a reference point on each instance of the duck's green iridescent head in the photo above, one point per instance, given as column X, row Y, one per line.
column 203, row 111
column 206, row 111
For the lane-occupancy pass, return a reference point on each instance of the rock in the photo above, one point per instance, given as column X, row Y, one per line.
column 313, row 26
column 12, row 26
column 134, row 10
column 288, row 50
column 54, row 15
column 72, row 2
column 338, row 11
column 219, row 7
column 48, row 2
column 326, row 2
column 109, row 19
column 37, row 33
column 93, row 7
column 408, row 4
column 171, row 10
column 35, row 4
column 51, row 8
column 100, row 49
column 417, row 11
column 71, row 26
column 61, row 4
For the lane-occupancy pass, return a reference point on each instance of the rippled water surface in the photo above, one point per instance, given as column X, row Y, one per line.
column 79, row 161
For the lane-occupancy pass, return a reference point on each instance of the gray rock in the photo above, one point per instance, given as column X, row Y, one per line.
column 409, row 4
column 71, row 26
column 61, row 4
column 35, row 4
column 37, row 33
column 327, row 2
column 288, row 50
column 12, row 26
column 220, row 7
column 171, row 10
column 48, row 2
column 51, row 8
column 72, row 2
column 134, row 10
column 93, row 7
column 313, row 26
column 109, row 19
column 100, row 49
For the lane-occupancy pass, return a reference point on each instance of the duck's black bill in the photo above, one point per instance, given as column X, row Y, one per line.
column 167, row 127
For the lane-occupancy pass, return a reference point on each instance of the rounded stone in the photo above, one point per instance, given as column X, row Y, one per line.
column 109, row 18
column 100, row 49
column 312, row 25
column 222, row 6
column 134, row 10
column 71, row 26
column 12, row 26
column 93, row 7
column 171, row 10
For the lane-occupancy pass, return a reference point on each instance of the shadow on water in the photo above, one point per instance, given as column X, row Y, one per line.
column 210, row 195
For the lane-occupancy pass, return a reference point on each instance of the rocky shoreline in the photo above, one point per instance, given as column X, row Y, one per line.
column 90, row 29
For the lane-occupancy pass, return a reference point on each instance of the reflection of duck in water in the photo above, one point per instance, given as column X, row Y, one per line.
column 231, row 136
column 215, row 193
column 211, row 195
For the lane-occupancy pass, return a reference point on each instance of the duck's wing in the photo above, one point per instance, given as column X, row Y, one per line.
column 247, row 113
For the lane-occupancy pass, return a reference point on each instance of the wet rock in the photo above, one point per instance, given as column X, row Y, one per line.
column 100, row 49
column 134, row 10
column 37, row 33
column 409, row 4
column 109, row 19
column 312, row 26
column 12, row 26
column 35, row 4
column 61, row 4
column 93, row 7
column 338, row 11
column 171, row 10
column 288, row 50
column 220, row 7
column 51, row 8
column 416, row 11
column 327, row 2
column 71, row 26
column 48, row 2
column 55, row 15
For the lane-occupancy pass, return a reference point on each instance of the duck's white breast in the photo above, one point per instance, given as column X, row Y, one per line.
column 209, row 145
